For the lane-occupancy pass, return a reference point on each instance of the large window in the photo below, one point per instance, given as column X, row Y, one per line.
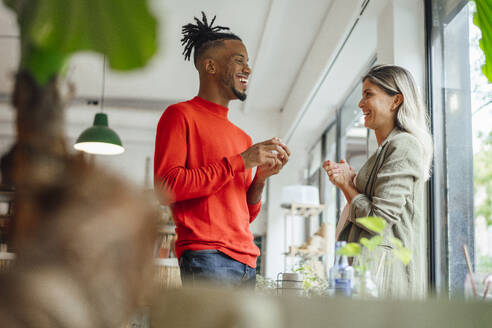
column 461, row 187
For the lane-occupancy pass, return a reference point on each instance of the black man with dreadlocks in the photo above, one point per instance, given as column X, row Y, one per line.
column 203, row 164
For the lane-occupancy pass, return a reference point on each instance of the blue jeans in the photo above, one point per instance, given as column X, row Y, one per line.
column 213, row 267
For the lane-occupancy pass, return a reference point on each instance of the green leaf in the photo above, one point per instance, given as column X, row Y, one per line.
column 372, row 223
column 43, row 63
column 397, row 242
column 360, row 268
column 53, row 30
column 351, row 249
column 482, row 20
column 372, row 243
column 403, row 254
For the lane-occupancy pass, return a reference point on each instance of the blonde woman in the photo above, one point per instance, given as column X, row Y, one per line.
column 390, row 183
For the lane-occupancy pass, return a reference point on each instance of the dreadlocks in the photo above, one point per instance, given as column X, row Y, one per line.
column 203, row 36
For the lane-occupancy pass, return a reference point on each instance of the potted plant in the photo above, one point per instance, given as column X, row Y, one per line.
column 363, row 252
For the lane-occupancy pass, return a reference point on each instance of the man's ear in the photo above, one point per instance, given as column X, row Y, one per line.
column 397, row 101
column 210, row 66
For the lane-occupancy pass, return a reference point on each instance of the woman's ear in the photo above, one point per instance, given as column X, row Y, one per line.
column 397, row 101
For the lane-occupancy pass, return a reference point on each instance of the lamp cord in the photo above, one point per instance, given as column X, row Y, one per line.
column 103, row 83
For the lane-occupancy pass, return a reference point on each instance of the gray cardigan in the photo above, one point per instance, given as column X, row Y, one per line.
column 390, row 184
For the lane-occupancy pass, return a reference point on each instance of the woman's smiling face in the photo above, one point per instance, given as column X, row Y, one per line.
column 378, row 107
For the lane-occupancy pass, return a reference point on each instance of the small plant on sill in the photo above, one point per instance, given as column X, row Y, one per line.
column 376, row 225
column 265, row 286
column 313, row 282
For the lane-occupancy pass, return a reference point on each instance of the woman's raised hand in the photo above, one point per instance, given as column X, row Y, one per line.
column 340, row 174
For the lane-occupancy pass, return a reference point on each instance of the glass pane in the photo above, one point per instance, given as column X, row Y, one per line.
column 452, row 199
column 329, row 194
column 353, row 145
column 481, row 103
column 458, row 130
column 353, row 136
column 315, row 158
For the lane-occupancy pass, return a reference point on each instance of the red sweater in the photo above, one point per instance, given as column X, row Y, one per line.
column 197, row 160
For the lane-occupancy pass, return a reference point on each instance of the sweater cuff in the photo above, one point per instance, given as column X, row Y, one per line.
column 254, row 209
column 237, row 163
column 353, row 207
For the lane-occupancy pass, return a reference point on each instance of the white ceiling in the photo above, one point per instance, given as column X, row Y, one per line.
column 278, row 35
column 292, row 46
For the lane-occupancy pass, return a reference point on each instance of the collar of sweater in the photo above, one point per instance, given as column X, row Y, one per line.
column 211, row 106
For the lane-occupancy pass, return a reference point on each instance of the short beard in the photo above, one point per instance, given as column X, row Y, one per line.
column 240, row 95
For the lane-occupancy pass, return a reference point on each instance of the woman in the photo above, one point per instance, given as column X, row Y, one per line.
column 390, row 183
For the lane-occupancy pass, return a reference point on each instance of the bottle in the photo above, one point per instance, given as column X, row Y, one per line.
column 332, row 273
column 341, row 275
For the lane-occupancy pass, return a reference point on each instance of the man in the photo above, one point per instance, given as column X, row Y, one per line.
column 205, row 164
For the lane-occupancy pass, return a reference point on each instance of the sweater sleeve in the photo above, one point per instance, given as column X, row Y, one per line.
column 393, row 185
column 254, row 209
column 172, row 177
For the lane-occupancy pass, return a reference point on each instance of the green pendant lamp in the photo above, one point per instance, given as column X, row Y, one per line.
column 99, row 138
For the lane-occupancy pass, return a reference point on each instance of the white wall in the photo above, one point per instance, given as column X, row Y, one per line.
column 401, row 37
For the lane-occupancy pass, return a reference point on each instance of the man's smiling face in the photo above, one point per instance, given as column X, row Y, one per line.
column 235, row 70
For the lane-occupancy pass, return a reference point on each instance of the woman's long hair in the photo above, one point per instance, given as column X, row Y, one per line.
column 411, row 116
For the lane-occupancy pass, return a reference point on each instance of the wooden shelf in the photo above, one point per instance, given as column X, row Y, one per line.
column 166, row 262
column 167, row 229
column 6, row 196
column 304, row 210
column 7, row 256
